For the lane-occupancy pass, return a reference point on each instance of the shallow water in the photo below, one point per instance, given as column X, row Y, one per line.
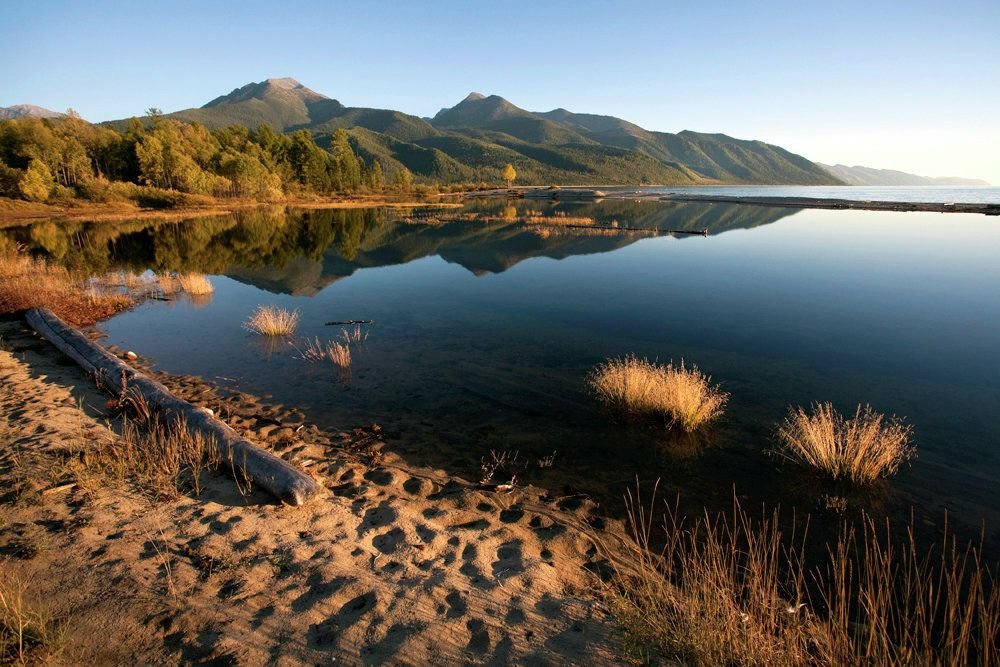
column 485, row 331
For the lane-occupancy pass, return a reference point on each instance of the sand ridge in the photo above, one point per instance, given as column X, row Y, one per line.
column 396, row 565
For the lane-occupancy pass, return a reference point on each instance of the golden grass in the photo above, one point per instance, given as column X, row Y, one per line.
column 272, row 321
column 556, row 219
column 639, row 386
column 159, row 459
column 27, row 631
column 195, row 284
column 354, row 336
column 863, row 448
column 29, row 282
column 338, row 353
column 732, row 590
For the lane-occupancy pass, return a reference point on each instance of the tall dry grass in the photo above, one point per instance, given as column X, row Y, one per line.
column 161, row 460
column 863, row 448
column 338, row 353
column 28, row 633
column 31, row 282
column 732, row 590
column 196, row 284
column 272, row 321
column 638, row 386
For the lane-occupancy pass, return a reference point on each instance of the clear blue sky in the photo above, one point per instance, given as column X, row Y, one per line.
column 906, row 85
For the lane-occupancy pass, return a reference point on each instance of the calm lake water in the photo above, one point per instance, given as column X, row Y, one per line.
column 485, row 331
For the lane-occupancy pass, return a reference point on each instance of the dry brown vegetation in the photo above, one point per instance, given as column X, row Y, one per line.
column 641, row 387
column 558, row 218
column 338, row 353
column 272, row 321
column 27, row 632
column 195, row 284
column 160, row 460
column 863, row 448
column 29, row 282
column 732, row 590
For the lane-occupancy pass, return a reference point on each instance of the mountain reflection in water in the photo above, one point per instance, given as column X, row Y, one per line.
column 298, row 251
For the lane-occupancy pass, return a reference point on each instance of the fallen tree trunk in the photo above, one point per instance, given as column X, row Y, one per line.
column 280, row 478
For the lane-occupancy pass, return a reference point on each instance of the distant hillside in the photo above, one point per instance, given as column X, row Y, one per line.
column 27, row 111
column 858, row 175
column 473, row 140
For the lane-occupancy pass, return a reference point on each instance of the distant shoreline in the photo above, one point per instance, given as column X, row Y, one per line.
column 817, row 202
column 593, row 194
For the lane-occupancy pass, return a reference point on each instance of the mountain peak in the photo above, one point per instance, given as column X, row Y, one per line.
column 280, row 87
column 473, row 97
column 27, row 111
column 287, row 82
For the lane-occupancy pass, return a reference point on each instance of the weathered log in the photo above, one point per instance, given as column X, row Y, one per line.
column 276, row 476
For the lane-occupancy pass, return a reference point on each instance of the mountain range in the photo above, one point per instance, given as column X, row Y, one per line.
column 27, row 111
column 858, row 175
column 474, row 139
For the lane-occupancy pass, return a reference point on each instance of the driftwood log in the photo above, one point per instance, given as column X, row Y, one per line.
column 276, row 476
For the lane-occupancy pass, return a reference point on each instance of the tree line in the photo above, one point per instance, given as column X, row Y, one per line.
column 67, row 157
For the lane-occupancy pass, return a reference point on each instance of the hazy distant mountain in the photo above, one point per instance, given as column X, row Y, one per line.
column 26, row 111
column 474, row 139
column 858, row 175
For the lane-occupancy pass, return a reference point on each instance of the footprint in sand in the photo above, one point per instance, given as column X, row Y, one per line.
column 389, row 542
column 457, row 606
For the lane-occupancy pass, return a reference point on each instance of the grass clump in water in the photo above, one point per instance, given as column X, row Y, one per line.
column 338, row 353
column 272, row 321
column 863, row 448
column 642, row 387
column 195, row 284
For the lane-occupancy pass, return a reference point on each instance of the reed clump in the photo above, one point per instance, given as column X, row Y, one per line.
column 338, row 353
column 862, row 448
column 732, row 590
column 637, row 386
column 272, row 321
column 195, row 284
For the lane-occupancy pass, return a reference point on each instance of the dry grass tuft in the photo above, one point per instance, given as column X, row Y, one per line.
column 735, row 591
column 162, row 460
column 639, row 386
column 338, row 353
column 195, row 284
column 863, row 449
column 354, row 336
column 26, row 630
column 272, row 321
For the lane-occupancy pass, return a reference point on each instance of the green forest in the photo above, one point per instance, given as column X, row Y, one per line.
column 154, row 160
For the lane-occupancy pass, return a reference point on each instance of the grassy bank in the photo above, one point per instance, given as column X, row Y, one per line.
column 18, row 212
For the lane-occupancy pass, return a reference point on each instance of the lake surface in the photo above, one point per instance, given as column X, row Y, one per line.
column 933, row 194
column 486, row 328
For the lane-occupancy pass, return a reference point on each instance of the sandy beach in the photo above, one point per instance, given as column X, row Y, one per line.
column 394, row 564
